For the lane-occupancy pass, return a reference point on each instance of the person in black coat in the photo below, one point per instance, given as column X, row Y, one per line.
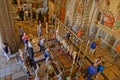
column 33, row 14
column 21, row 14
column 29, row 14
column 6, row 50
column 47, row 17
column 39, row 17
column 30, row 50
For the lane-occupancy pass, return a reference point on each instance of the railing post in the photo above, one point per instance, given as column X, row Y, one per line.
column 83, row 58
column 47, row 32
column 55, row 24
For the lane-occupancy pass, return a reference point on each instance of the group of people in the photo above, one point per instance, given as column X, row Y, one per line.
column 29, row 61
column 94, row 70
column 71, row 49
column 108, row 19
column 28, row 15
column 95, row 45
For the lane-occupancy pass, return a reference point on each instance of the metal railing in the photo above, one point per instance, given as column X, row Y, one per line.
column 62, row 28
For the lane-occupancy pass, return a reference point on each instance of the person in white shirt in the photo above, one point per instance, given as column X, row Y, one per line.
column 41, row 44
column 39, row 30
column 47, row 55
column 26, row 15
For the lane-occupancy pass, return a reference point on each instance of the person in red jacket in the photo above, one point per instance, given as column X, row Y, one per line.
column 80, row 32
column 25, row 38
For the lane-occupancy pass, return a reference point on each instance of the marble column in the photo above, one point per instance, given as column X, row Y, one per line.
column 18, row 3
column 6, row 25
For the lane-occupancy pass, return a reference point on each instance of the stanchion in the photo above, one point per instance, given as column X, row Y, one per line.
column 83, row 58
column 47, row 32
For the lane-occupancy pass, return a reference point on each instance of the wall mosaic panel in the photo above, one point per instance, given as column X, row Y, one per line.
column 109, row 14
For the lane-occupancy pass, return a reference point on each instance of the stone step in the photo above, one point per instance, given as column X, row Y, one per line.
column 19, row 76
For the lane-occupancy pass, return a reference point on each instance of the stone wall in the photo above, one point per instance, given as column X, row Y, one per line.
column 103, row 23
column 7, row 25
column 70, row 8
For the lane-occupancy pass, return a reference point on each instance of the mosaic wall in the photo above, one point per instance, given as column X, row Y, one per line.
column 109, row 14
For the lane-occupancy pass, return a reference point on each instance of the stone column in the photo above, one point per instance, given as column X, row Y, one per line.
column 18, row 3
column 7, row 25
column 0, row 42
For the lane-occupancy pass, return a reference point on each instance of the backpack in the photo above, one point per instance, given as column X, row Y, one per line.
column 46, row 54
column 100, row 68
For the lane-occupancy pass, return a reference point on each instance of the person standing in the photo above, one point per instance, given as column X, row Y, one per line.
column 67, row 35
column 26, row 15
column 47, row 55
column 33, row 14
column 6, row 50
column 25, row 39
column 39, row 29
column 39, row 17
column 21, row 15
column 29, row 15
column 41, row 44
column 20, row 33
column 30, row 49
column 98, row 42
column 74, row 54
column 92, row 48
column 32, row 64
column 42, row 18
column 21, row 55
column 91, row 71
column 100, row 69
column 80, row 32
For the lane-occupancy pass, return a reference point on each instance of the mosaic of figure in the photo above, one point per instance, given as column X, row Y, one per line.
column 107, row 16
column 111, row 21
column 117, row 20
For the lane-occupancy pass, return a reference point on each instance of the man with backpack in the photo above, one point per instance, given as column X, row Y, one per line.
column 91, row 71
column 47, row 55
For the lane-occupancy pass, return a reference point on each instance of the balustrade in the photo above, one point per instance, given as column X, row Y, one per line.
column 74, row 40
